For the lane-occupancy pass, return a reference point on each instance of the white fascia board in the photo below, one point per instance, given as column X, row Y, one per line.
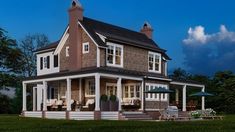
column 59, row 78
column 120, row 76
column 102, row 37
column 187, row 84
column 157, row 78
column 62, row 41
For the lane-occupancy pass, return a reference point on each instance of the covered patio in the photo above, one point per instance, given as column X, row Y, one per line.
column 179, row 98
column 73, row 101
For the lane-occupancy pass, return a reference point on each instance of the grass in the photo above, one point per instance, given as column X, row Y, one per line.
column 15, row 123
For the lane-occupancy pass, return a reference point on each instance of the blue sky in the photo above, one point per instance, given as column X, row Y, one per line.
column 171, row 20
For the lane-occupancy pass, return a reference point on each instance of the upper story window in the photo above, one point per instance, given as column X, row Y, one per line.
column 67, row 51
column 85, row 48
column 41, row 63
column 154, row 62
column 47, row 62
column 115, row 55
column 56, row 63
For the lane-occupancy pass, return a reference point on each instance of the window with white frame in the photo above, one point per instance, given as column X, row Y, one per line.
column 90, row 88
column 67, row 51
column 114, row 55
column 131, row 91
column 85, row 48
column 111, row 89
column 154, row 96
column 154, row 62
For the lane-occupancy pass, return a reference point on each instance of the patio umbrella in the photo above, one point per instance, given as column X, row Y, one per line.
column 202, row 94
column 159, row 90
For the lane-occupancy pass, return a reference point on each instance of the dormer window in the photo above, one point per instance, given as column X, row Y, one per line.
column 154, row 62
column 114, row 55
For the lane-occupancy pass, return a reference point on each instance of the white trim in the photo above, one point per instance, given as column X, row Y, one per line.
column 43, row 51
column 60, row 78
column 188, row 84
column 97, row 92
column 68, row 96
column 24, row 96
column 62, row 41
column 98, row 57
column 160, row 62
column 203, row 99
column 157, row 78
column 184, row 99
column 83, row 47
column 123, row 77
column 45, row 95
column 114, row 55
column 102, row 37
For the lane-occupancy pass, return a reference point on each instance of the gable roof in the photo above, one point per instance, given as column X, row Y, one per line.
column 119, row 34
column 48, row 47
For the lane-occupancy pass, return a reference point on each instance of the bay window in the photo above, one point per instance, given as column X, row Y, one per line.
column 154, row 62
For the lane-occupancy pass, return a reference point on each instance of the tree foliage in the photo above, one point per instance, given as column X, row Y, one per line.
column 9, row 53
column 29, row 45
column 222, row 85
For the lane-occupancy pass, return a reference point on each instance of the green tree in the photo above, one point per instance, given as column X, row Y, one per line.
column 9, row 53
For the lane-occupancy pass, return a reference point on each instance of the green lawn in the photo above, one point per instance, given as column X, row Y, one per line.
column 15, row 123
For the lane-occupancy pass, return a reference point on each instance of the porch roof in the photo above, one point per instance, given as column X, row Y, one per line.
column 105, row 70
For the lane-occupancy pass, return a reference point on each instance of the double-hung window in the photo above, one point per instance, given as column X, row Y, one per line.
column 154, row 62
column 114, row 55
column 85, row 48
column 90, row 88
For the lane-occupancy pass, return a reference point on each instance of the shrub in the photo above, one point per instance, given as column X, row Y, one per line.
column 104, row 98
column 113, row 98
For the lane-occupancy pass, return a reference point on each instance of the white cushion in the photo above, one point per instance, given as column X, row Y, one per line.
column 90, row 101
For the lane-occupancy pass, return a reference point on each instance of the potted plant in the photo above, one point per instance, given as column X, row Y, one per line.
column 113, row 105
column 104, row 103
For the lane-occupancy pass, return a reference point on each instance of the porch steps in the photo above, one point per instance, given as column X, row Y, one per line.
column 183, row 116
column 135, row 116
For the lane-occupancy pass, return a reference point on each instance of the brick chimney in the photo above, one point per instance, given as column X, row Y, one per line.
column 75, row 36
column 147, row 30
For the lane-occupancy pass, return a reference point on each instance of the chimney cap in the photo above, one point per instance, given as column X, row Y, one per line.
column 146, row 26
column 76, row 3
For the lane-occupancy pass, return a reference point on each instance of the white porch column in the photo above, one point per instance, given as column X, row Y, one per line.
column 203, row 99
column 68, row 96
column 80, row 90
column 119, row 93
column 142, row 95
column 24, row 97
column 44, row 96
column 177, row 96
column 97, row 92
column 34, row 98
column 184, row 98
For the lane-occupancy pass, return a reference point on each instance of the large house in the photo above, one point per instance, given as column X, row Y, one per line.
column 94, row 62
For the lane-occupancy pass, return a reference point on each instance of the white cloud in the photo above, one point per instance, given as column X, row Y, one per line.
column 207, row 53
column 197, row 35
